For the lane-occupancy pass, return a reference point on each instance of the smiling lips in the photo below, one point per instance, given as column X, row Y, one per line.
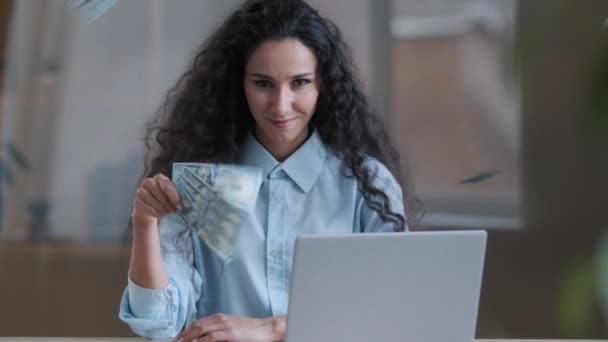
column 280, row 123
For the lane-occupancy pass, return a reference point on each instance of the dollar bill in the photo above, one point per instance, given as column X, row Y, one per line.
column 90, row 9
column 215, row 200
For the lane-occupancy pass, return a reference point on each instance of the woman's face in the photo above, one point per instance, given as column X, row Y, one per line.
column 282, row 90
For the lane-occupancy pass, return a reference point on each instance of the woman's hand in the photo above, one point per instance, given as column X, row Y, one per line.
column 156, row 197
column 222, row 327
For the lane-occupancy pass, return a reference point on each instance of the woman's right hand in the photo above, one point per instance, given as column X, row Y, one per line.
column 155, row 198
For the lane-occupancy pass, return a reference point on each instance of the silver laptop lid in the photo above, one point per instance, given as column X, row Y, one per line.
column 419, row 286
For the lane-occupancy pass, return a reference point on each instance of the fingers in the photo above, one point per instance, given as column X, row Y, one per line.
column 169, row 191
column 200, row 330
column 218, row 336
column 156, row 197
column 222, row 327
column 163, row 191
column 209, row 325
column 152, row 196
column 141, row 208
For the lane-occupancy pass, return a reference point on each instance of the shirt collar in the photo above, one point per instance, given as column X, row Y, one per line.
column 303, row 166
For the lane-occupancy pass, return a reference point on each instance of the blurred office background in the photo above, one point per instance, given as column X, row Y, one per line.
column 499, row 109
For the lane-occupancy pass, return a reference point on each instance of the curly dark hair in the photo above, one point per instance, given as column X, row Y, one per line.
column 205, row 116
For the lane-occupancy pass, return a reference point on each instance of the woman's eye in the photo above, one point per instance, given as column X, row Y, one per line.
column 301, row 82
column 263, row 83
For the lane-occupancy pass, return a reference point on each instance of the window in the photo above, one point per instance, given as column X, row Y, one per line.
column 75, row 98
column 455, row 109
column 441, row 74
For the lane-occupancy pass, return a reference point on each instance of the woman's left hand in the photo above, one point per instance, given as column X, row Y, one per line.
column 220, row 327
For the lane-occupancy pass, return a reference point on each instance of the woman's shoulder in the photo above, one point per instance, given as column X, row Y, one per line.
column 376, row 168
column 380, row 174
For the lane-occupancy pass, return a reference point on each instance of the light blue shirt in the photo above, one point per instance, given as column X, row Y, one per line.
column 306, row 194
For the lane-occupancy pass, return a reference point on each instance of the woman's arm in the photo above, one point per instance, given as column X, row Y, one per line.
column 156, row 197
column 146, row 266
column 163, row 288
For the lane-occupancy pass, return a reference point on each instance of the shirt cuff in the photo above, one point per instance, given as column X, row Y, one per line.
column 149, row 302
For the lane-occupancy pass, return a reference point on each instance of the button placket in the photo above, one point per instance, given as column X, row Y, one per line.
column 274, row 261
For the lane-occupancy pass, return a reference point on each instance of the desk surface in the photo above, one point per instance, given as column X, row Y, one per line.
column 126, row 339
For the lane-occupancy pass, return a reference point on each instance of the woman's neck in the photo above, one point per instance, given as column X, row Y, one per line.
column 282, row 151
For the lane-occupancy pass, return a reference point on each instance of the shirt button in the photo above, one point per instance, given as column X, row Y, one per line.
column 274, row 253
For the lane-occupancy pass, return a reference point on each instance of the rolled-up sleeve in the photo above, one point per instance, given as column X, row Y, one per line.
column 162, row 313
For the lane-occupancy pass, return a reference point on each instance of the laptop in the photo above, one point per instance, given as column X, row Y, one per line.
column 418, row 286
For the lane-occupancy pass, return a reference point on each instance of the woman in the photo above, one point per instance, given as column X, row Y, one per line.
column 274, row 87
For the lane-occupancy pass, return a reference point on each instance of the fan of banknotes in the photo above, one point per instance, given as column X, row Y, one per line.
column 215, row 200
column 90, row 9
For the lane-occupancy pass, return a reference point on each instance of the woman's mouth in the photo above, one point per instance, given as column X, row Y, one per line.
column 280, row 123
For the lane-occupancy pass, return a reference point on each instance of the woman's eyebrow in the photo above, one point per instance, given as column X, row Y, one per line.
column 306, row 74
column 256, row 74
column 266, row 77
